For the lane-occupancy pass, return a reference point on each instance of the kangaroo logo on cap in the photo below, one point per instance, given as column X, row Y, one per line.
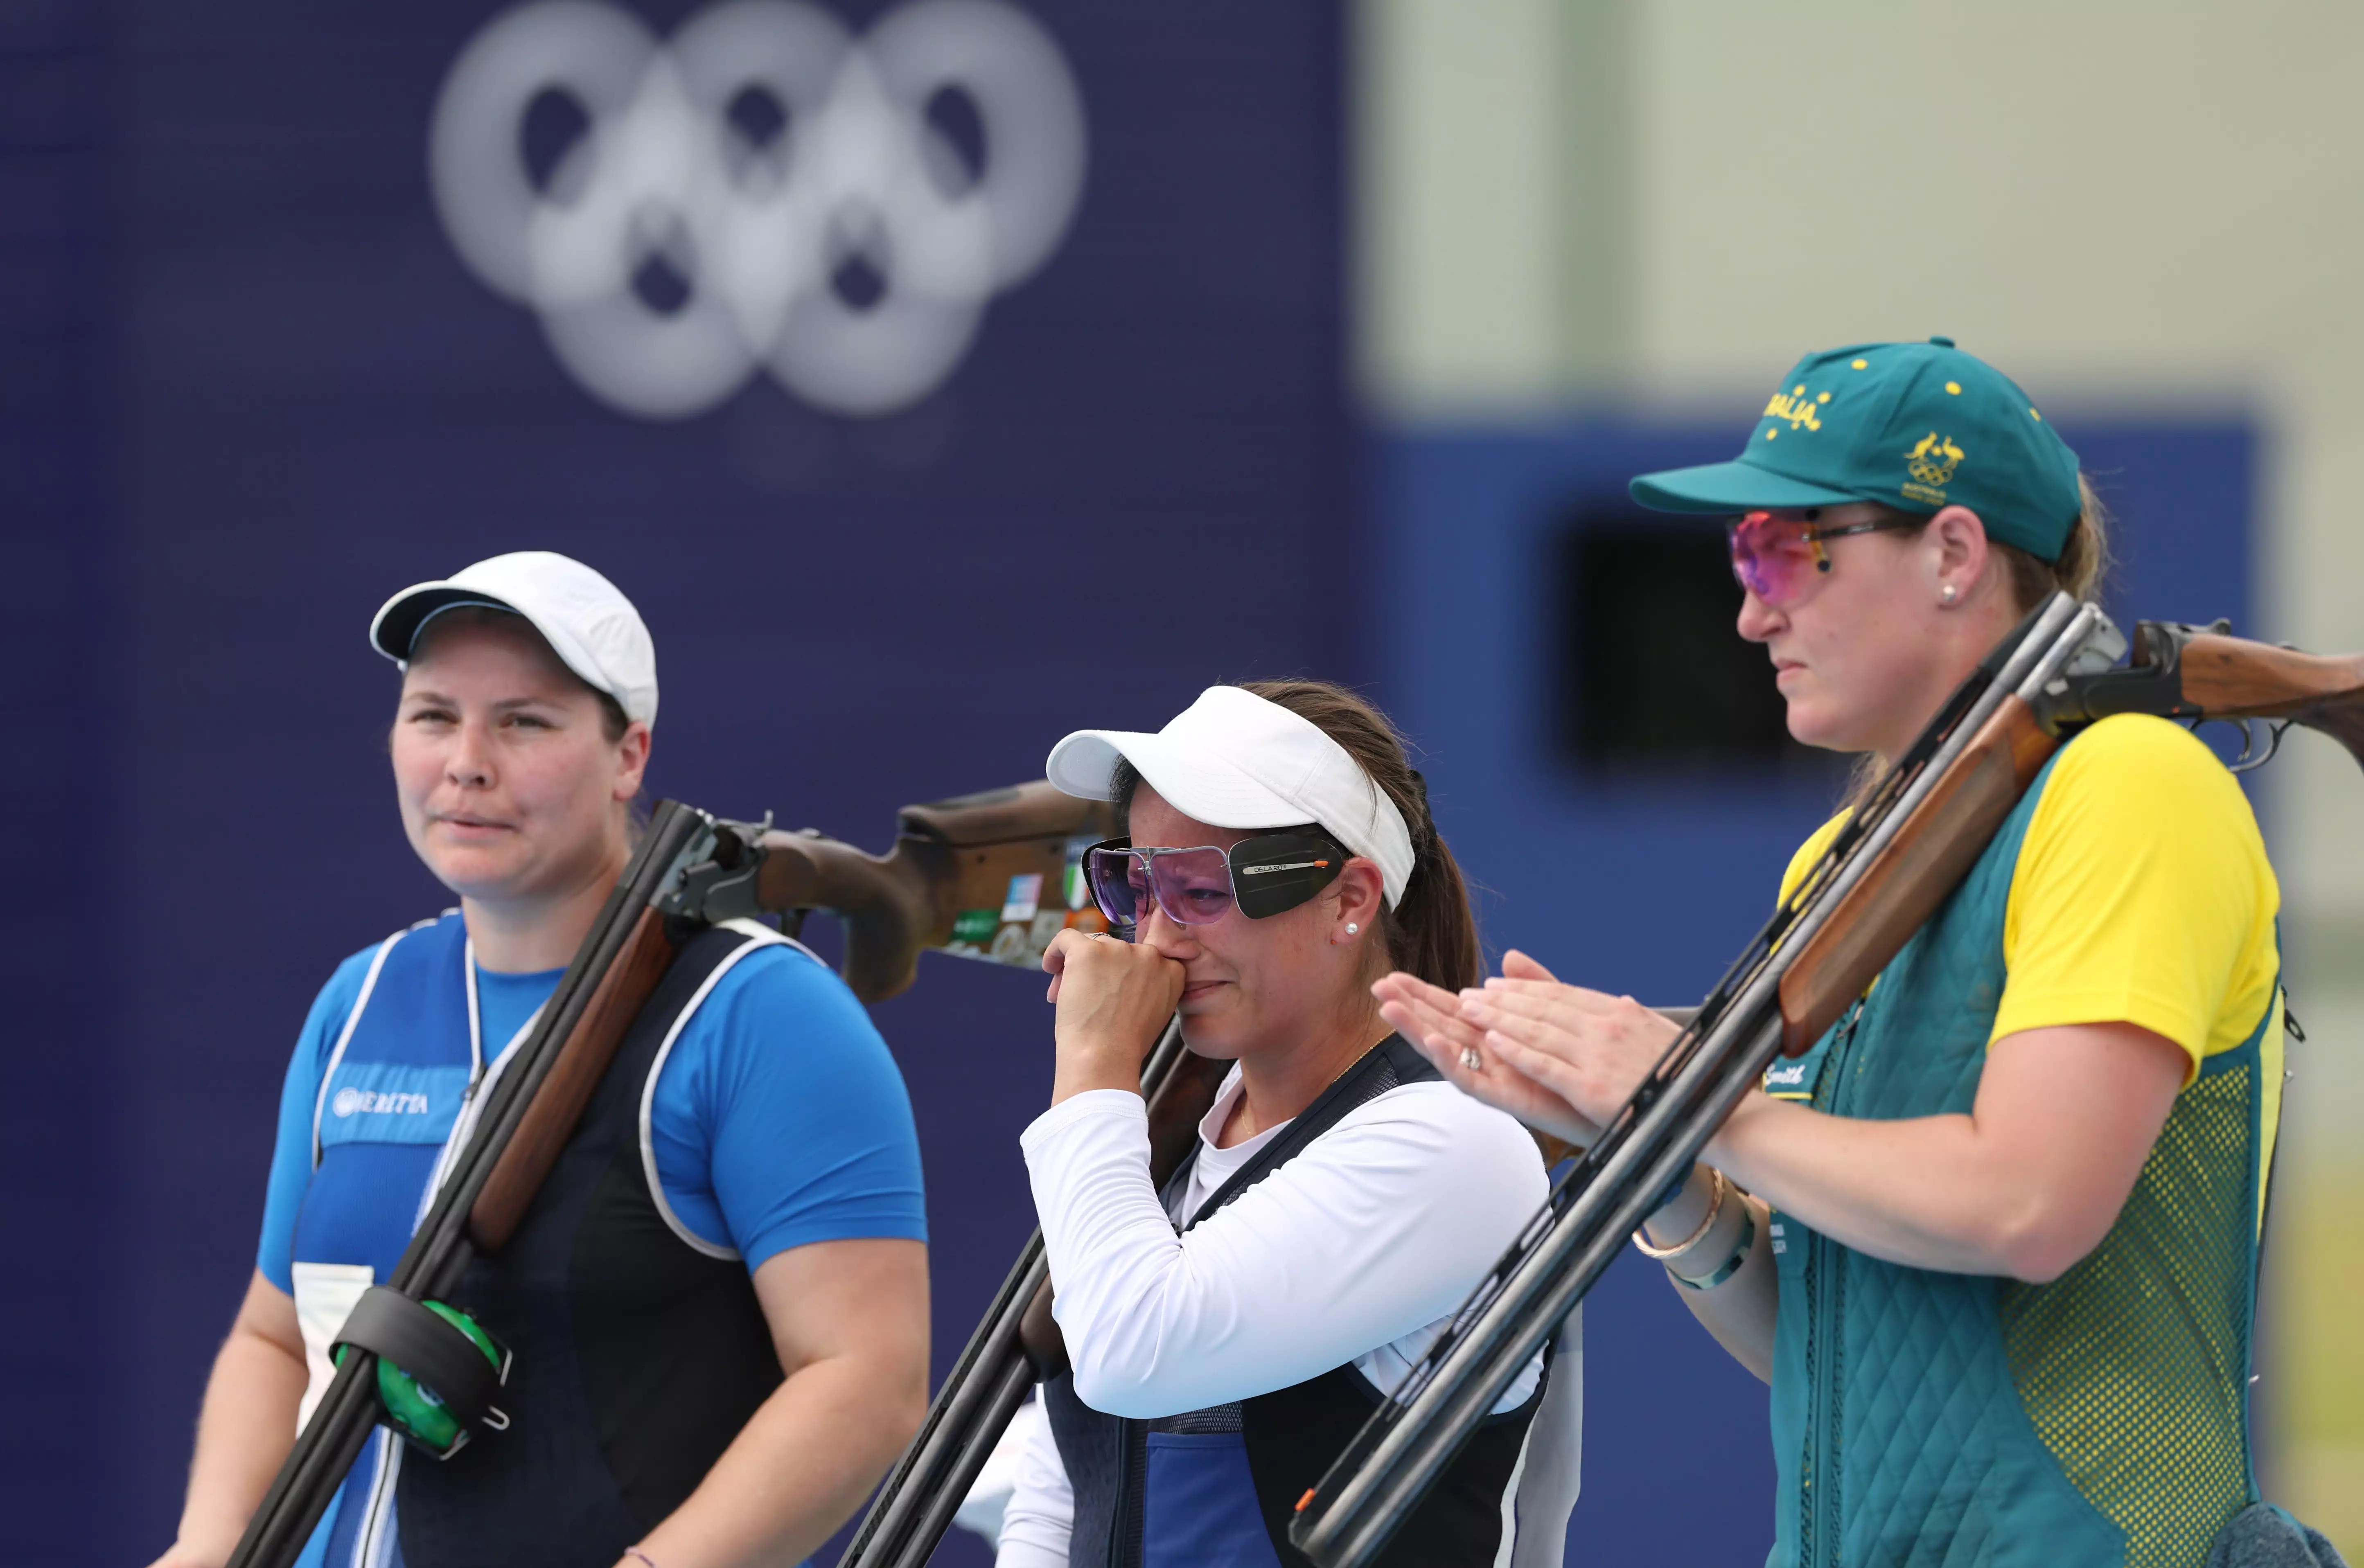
column 1931, row 462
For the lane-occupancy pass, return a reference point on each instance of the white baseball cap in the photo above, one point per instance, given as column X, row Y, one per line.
column 1233, row 760
column 586, row 620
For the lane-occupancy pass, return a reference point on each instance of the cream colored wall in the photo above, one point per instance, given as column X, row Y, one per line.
column 1460, row 276
column 2125, row 205
column 1487, row 283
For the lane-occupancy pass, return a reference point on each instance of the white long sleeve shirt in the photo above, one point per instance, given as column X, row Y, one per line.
column 1357, row 1250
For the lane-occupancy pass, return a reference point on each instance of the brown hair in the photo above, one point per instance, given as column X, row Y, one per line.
column 2084, row 563
column 1432, row 933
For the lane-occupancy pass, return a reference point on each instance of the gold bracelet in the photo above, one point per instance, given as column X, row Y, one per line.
column 1719, row 1187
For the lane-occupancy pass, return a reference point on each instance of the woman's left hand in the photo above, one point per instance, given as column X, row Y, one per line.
column 1589, row 1049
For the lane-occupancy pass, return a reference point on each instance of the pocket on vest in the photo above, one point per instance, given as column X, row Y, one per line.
column 1199, row 1509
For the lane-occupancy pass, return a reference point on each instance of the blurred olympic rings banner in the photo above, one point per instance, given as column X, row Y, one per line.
column 761, row 191
column 864, row 341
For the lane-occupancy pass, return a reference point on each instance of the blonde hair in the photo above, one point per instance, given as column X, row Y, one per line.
column 2082, row 571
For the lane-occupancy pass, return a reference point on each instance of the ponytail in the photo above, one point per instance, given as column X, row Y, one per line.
column 1431, row 933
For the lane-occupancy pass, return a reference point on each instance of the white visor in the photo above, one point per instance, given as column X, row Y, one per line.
column 1233, row 760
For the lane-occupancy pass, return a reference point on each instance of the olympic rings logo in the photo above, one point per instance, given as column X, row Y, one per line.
column 761, row 191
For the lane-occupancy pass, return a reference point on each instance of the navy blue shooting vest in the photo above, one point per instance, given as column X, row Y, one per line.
column 641, row 1352
column 1216, row 1488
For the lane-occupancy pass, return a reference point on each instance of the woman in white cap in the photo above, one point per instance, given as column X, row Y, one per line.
column 1993, row 1240
column 1229, row 1334
column 718, row 1306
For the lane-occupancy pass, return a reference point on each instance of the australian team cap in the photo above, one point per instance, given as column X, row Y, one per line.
column 586, row 620
column 1233, row 760
column 1913, row 426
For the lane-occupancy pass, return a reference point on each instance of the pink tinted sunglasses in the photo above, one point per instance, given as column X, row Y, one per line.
column 1775, row 557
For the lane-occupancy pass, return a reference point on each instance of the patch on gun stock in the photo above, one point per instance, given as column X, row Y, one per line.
column 1019, row 931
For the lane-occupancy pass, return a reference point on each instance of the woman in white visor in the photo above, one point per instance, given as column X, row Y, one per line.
column 1229, row 1334
column 717, row 1303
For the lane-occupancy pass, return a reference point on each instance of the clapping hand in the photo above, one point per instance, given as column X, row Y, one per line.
column 1558, row 1056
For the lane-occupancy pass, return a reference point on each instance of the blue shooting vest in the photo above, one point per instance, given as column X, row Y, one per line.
column 1922, row 1418
column 641, row 1349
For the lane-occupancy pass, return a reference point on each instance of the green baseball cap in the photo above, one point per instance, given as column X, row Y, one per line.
column 1913, row 426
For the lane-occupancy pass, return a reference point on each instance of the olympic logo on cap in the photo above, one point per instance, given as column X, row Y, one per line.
column 761, row 192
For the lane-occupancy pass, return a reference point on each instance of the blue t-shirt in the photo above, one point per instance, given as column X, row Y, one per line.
column 779, row 1117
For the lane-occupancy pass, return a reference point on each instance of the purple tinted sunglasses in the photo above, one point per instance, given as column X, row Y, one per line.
column 1197, row 887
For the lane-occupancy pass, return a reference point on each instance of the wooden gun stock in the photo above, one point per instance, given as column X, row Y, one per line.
column 882, row 900
column 950, row 858
column 1914, row 874
column 2232, row 677
column 582, row 1060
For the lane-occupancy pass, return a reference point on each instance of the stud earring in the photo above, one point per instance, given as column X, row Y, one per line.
column 1948, row 594
column 1353, row 929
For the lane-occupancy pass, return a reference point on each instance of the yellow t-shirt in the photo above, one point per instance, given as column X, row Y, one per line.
column 2142, row 894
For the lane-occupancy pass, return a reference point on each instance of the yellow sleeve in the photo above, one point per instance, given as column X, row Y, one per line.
column 2142, row 894
column 1808, row 853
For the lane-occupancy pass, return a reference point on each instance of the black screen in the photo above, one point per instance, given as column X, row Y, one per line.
column 1651, row 671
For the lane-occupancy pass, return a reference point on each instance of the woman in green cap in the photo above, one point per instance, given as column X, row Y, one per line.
column 1993, row 1242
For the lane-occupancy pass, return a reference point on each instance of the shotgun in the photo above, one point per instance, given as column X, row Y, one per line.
column 1884, row 875
column 967, row 876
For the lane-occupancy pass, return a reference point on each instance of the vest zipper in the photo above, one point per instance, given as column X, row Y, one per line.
column 1825, row 1304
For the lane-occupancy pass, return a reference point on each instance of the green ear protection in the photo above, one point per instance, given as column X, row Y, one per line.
column 444, row 1339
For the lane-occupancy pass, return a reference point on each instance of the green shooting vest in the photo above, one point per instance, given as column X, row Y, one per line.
column 1967, row 1421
